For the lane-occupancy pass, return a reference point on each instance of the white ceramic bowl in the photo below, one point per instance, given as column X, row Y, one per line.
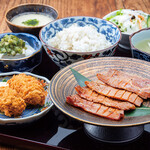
column 124, row 43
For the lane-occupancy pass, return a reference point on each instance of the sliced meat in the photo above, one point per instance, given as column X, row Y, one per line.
column 95, row 108
column 90, row 95
column 123, row 80
column 119, row 94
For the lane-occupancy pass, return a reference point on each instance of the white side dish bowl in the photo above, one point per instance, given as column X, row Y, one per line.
column 129, row 21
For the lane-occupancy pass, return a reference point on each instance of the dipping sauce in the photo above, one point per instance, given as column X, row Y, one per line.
column 144, row 45
column 31, row 19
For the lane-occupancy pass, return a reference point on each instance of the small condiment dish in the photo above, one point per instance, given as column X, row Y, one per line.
column 137, row 37
column 26, row 63
column 29, row 8
column 124, row 43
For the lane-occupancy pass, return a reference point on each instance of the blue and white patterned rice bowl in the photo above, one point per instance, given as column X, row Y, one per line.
column 63, row 58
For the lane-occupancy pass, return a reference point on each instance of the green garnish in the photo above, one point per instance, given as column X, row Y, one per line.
column 31, row 22
column 148, row 21
column 109, row 18
column 117, row 14
column 4, row 80
column 11, row 45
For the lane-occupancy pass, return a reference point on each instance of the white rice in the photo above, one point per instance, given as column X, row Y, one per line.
column 79, row 39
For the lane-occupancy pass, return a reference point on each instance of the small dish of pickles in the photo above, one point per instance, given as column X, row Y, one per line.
column 13, row 47
column 19, row 52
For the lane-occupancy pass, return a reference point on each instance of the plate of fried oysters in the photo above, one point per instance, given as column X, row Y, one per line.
column 23, row 97
column 106, row 91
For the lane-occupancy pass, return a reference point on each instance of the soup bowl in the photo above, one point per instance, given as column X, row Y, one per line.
column 29, row 8
column 136, row 38
column 63, row 57
column 26, row 63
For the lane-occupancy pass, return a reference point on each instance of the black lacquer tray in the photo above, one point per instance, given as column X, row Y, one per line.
column 58, row 131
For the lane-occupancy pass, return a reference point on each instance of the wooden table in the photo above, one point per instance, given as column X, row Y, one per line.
column 97, row 8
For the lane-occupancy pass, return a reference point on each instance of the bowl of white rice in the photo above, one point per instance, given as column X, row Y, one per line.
column 73, row 39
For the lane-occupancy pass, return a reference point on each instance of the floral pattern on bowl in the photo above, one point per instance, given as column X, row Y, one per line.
column 63, row 58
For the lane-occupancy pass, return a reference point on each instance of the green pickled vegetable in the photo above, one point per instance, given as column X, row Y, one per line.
column 109, row 18
column 148, row 21
column 11, row 45
column 4, row 80
column 31, row 22
column 117, row 14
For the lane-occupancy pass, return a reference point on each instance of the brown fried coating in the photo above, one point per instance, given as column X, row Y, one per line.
column 10, row 103
column 28, row 88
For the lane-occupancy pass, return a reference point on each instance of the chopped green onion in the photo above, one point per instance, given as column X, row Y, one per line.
column 11, row 45
column 31, row 22
column 4, row 80
column 148, row 21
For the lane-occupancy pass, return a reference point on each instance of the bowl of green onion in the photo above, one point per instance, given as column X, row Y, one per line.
column 19, row 52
